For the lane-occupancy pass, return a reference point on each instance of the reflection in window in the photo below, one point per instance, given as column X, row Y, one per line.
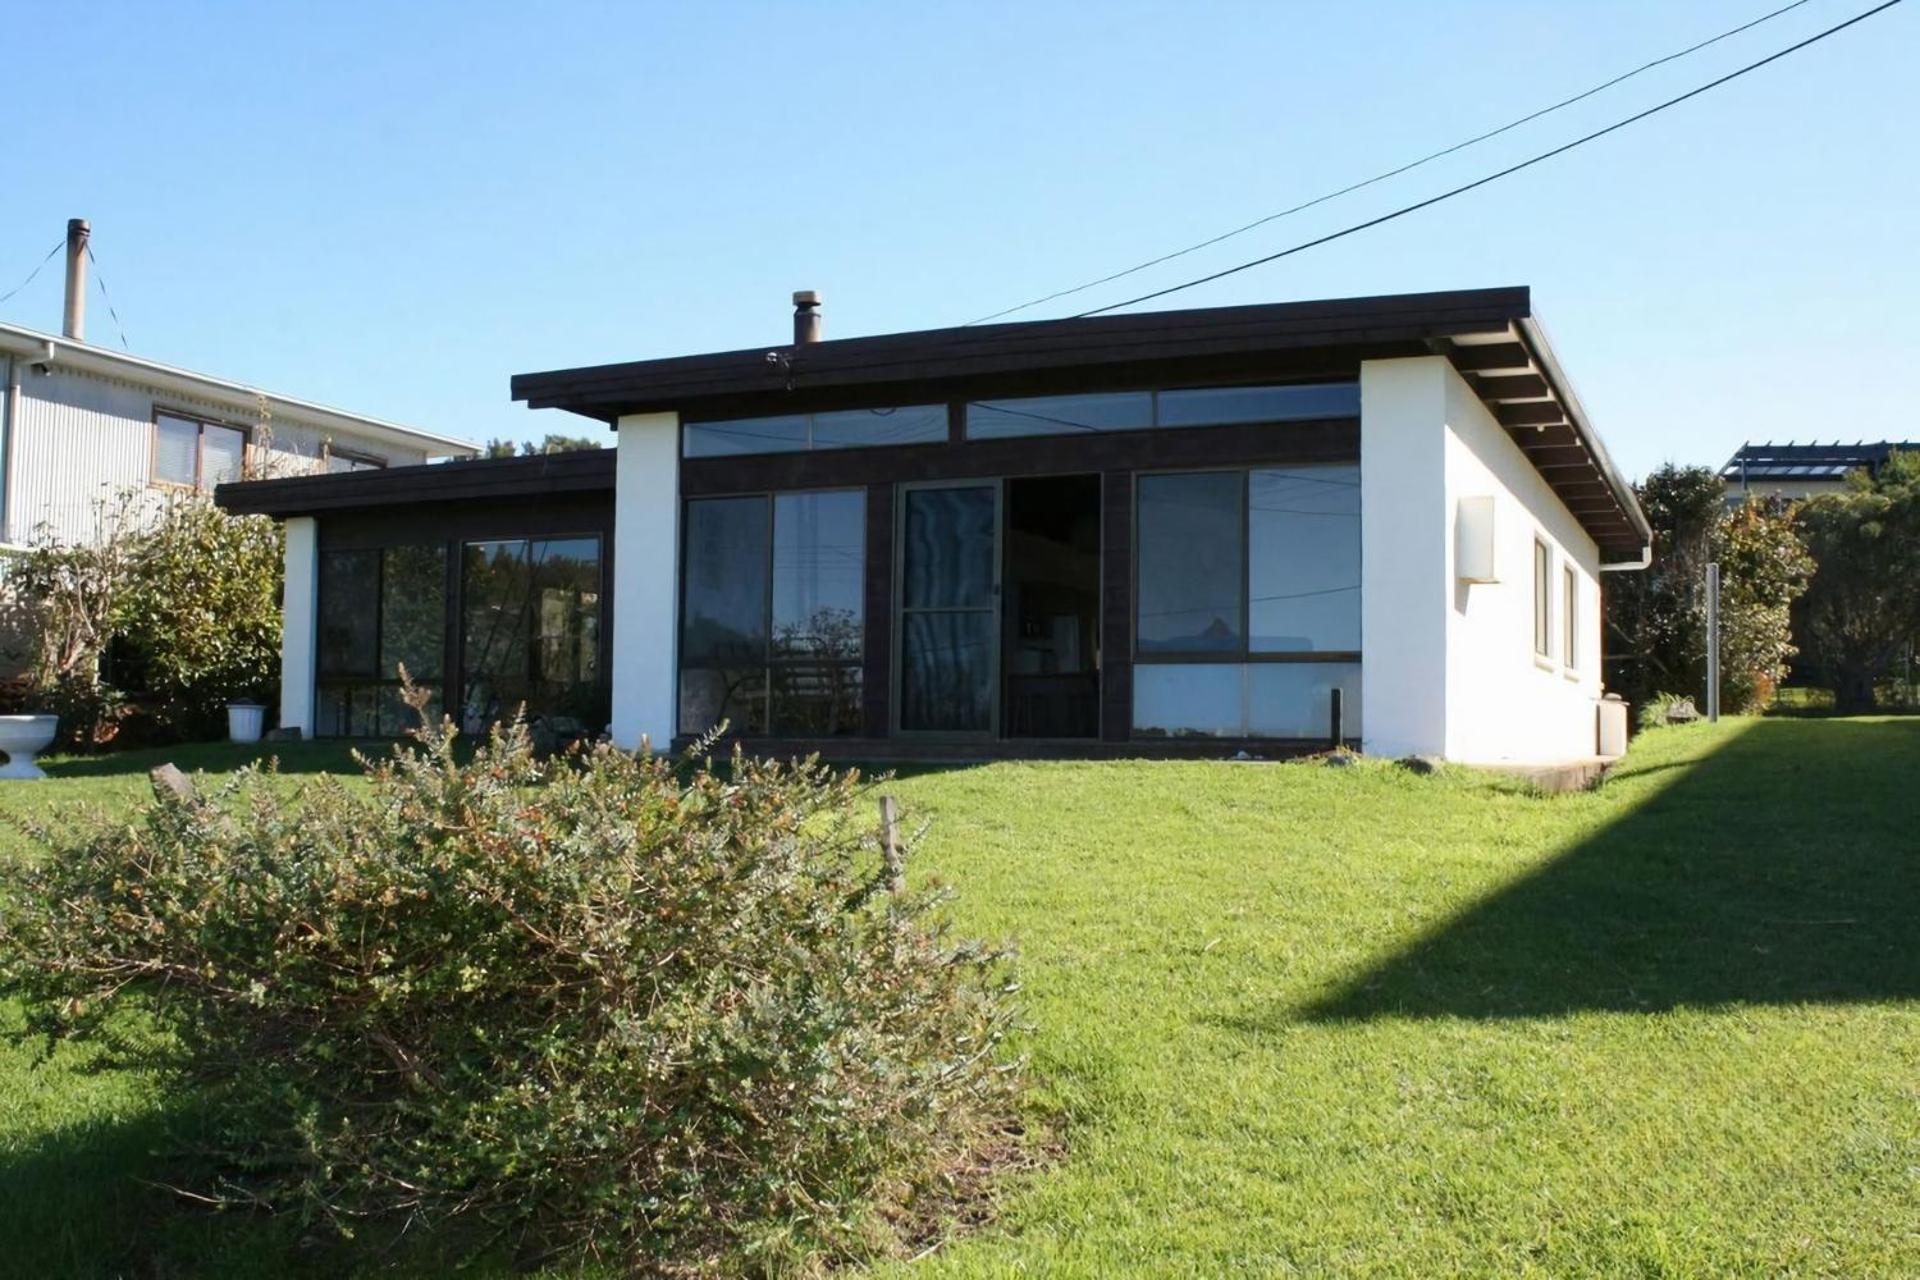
column 1303, row 560
column 378, row 610
column 1284, row 541
column 773, row 618
column 1191, row 562
column 531, row 635
column 725, row 613
column 1245, row 700
column 1134, row 410
column 1220, row 406
column 1059, row 415
column 799, row 432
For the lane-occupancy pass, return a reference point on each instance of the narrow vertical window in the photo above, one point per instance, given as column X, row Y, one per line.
column 1569, row 618
column 1542, row 599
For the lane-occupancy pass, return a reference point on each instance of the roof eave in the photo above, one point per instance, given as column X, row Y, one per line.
column 85, row 357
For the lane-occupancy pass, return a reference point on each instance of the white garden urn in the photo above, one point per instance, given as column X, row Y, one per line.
column 22, row 738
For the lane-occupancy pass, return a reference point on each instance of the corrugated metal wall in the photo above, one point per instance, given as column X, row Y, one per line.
column 83, row 451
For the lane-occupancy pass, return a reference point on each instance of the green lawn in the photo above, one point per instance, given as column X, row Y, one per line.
column 1300, row 1020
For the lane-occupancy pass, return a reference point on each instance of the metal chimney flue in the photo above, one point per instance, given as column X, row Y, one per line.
column 74, row 322
column 806, row 317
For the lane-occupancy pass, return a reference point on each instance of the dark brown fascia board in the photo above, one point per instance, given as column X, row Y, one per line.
column 986, row 351
column 1620, row 488
column 471, row 480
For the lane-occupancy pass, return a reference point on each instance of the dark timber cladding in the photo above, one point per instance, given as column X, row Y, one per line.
column 1489, row 335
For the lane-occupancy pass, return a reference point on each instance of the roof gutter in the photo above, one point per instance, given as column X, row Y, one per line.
column 41, row 349
column 1535, row 338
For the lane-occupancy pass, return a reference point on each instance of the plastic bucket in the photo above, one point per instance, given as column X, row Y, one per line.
column 245, row 720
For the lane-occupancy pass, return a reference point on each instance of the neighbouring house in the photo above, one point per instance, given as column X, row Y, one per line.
column 1797, row 471
column 1260, row 528
column 83, row 425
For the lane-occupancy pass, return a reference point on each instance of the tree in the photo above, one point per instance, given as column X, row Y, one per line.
column 551, row 443
column 1863, row 610
column 1657, row 619
column 1764, row 568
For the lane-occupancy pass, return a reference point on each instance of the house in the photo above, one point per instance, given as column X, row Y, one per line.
column 1797, row 471
column 83, row 425
column 1261, row 528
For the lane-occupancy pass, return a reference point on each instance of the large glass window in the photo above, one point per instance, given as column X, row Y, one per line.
column 379, row 610
column 1303, row 560
column 799, row 432
column 1192, row 557
column 773, row 618
column 1248, row 603
column 1136, row 410
column 530, row 635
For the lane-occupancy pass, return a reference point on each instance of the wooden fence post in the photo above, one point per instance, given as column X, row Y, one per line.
column 890, row 845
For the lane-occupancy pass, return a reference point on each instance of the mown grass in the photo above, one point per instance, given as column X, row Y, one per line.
column 1299, row 1020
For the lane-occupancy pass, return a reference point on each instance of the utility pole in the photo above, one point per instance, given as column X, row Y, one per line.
column 1713, row 641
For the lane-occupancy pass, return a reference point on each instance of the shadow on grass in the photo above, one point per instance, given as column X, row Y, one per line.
column 98, row 1199
column 332, row 756
column 89, row 1201
column 1782, row 868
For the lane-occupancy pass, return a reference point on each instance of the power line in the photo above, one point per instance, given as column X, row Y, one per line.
column 1495, row 177
column 36, row 271
column 1394, row 173
column 101, row 280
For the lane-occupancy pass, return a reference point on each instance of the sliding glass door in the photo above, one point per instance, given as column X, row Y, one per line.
column 949, row 593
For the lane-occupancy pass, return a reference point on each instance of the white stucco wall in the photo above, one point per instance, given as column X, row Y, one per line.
column 299, row 614
column 646, row 567
column 1403, row 557
column 1449, row 667
column 83, row 440
column 1503, row 703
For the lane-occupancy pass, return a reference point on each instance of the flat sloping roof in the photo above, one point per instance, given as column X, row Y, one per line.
column 1491, row 336
column 31, row 344
column 1809, row 461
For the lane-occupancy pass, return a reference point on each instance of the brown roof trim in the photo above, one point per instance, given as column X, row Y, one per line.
column 469, row 480
column 946, row 363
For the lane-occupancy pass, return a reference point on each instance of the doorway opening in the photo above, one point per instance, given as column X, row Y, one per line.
column 1050, row 608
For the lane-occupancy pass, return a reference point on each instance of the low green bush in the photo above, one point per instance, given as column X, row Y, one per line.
column 677, row 1016
column 1652, row 713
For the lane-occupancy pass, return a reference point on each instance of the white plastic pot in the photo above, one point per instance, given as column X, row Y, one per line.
column 23, row 738
column 245, row 720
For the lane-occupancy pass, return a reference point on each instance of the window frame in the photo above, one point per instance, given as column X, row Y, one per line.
column 325, row 679
column 1245, row 653
column 770, row 660
column 1542, row 600
column 201, row 422
column 1569, row 618
column 454, row 682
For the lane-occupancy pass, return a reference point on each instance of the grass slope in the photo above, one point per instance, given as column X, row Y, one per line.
column 1298, row 1020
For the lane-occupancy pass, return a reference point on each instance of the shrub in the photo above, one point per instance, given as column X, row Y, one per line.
column 1652, row 713
column 198, row 619
column 677, row 1016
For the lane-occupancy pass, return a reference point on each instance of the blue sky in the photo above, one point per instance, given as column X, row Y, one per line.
column 393, row 208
